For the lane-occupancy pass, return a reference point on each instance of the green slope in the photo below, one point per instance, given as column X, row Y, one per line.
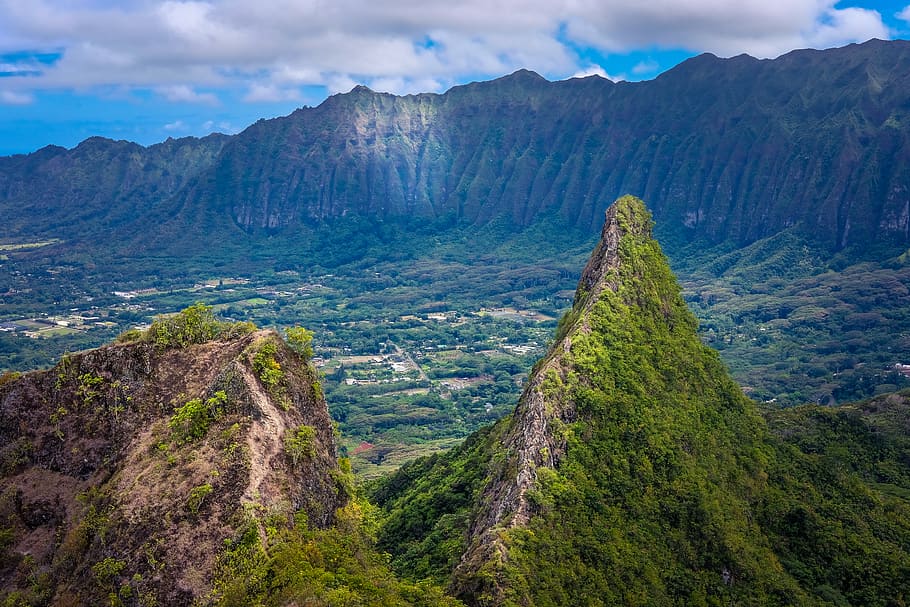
column 635, row 472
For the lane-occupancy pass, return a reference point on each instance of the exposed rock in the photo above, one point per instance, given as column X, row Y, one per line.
column 103, row 489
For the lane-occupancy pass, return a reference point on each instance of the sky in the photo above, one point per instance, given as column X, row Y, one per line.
column 146, row 70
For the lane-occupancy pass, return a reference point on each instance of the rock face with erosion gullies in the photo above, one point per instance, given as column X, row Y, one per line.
column 128, row 470
column 634, row 470
column 725, row 151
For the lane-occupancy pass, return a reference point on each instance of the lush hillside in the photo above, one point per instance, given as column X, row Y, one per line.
column 95, row 186
column 725, row 150
column 635, row 471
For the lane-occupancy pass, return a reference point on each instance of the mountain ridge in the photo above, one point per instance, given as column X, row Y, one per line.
column 725, row 149
column 128, row 469
column 633, row 469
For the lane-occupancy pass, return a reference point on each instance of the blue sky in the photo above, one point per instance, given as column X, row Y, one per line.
column 146, row 70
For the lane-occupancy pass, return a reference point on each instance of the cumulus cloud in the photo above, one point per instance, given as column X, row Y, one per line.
column 177, row 125
column 272, row 47
column 210, row 126
column 645, row 67
column 259, row 92
column 762, row 28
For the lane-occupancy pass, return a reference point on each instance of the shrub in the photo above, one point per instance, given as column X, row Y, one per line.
column 194, row 325
column 267, row 369
column 192, row 420
column 105, row 571
column 300, row 444
column 9, row 376
column 129, row 336
column 196, row 497
column 300, row 340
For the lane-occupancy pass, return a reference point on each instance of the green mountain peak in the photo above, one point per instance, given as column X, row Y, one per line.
column 625, row 418
column 634, row 471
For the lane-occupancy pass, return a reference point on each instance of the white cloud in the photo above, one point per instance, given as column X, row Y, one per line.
column 762, row 28
column 177, row 125
column 186, row 94
column 15, row 98
column 270, row 93
column 904, row 15
column 271, row 47
column 645, row 67
column 405, row 86
column 596, row 70
column 210, row 126
column 847, row 25
column 340, row 83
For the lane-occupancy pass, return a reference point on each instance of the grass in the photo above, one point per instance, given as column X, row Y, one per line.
column 23, row 246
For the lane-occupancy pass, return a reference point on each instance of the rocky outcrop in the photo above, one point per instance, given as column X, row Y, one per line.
column 535, row 437
column 128, row 469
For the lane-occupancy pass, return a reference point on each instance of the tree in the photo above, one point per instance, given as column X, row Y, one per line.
column 300, row 340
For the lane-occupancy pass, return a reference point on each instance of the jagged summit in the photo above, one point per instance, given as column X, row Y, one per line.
column 627, row 215
column 626, row 304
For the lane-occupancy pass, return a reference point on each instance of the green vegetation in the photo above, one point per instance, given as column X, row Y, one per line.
column 191, row 421
column 428, row 505
column 838, row 507
column 799, row 326
column 320, row 567
column 193, row 325
column 776, row 310
column 299, row 444
column 197, row 496
column 670, row 490
column 300, row 341
column 88, row 388
column 267, row 369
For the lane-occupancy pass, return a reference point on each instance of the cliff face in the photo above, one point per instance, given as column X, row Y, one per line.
column 127, row 470
column 725, row 150
column 100, row 184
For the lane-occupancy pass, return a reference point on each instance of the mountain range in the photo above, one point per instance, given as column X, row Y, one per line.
column 756, row 171
column 725, row 150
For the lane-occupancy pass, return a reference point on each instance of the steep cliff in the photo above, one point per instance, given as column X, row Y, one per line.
column 98, row 185
column 129, row 470
column 724, row 150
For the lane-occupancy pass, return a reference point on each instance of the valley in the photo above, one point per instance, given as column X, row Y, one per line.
column 474, row 311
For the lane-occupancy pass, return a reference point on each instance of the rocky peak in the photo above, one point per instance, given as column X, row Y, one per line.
column 135, row 464
column 535, row 438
